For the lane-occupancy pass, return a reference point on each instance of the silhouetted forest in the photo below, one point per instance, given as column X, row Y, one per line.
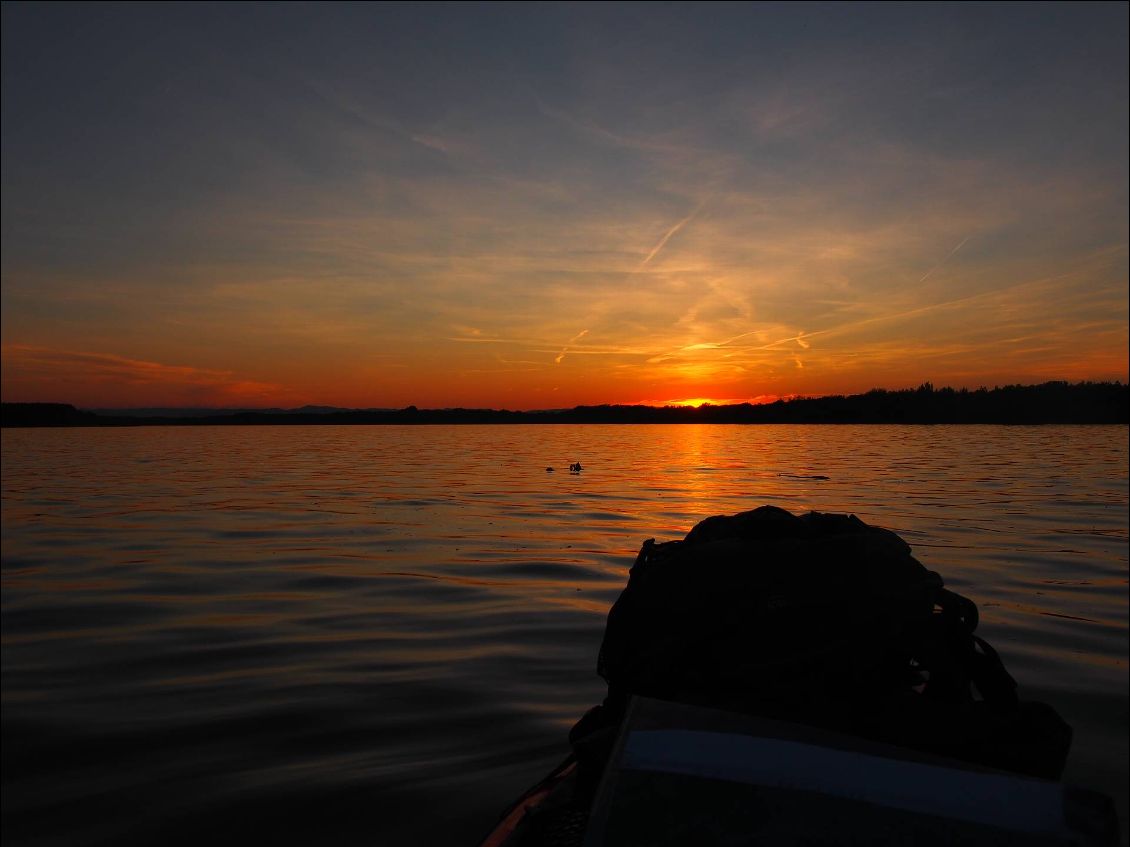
column 1051, row 402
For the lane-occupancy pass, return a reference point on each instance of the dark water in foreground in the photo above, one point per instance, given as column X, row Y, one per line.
column 380, row 635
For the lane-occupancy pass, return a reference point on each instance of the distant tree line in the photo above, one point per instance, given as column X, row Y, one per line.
column 1049, row 403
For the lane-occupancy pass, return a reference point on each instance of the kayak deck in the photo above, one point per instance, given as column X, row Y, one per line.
column 681, row 774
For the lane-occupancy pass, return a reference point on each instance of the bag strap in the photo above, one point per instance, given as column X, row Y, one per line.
column 980, row 662
column 993, row 681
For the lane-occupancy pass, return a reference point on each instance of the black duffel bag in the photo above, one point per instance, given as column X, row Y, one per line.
column 824, row 620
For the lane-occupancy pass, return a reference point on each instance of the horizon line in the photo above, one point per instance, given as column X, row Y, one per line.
column 691, row 403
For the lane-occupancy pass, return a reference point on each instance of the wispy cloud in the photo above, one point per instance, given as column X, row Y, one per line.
column 595, row 132
column 800, row 338
column 85, row 376
column 432, row 142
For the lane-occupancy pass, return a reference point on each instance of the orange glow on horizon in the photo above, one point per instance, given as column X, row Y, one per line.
column 93, row 380
column 695, row 402
column 520, row 374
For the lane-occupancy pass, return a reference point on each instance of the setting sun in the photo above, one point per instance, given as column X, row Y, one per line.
column 702, row 401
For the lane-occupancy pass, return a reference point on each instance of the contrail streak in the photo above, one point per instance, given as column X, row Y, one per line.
column 946, row 259
column 667, row 237
column 572, row 340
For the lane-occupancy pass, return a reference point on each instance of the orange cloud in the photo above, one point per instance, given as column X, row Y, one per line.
column 92, row 379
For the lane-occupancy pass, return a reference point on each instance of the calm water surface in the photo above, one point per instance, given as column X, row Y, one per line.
column 380, row 635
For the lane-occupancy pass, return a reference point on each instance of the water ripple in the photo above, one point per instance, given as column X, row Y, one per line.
column 354, row 634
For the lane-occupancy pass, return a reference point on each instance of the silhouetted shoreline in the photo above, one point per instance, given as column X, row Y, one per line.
column 1049, row 403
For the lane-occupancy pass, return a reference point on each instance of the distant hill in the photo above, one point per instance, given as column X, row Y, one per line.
column 193, row 412
column 46, row 414
column 1051, row 402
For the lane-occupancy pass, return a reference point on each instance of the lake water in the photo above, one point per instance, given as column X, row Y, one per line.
column 380, row 635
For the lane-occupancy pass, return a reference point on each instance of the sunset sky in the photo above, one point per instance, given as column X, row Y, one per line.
column 541, row 206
